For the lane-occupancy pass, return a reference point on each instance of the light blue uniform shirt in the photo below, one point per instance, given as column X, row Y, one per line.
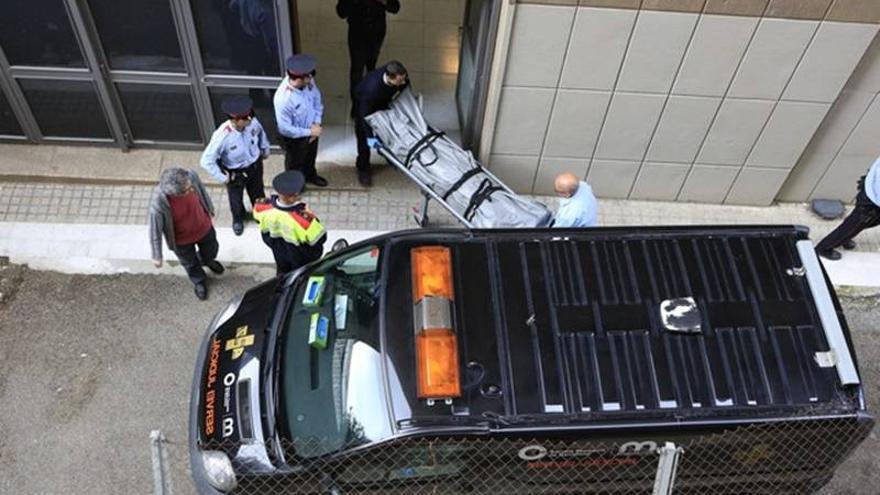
column 235, row 149
column 872, row 183
column 579, row 210
column 297, row 109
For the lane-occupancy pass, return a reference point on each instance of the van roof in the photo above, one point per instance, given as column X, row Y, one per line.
column 597, row 325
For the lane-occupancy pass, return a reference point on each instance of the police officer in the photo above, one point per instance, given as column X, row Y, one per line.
column 235, row 156
column 288, row 227
column 865, row 215
column 366, row 31
column 299, row 111
column 374, row 93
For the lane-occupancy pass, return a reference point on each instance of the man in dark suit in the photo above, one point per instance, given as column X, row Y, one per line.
column 372, row 94
column 366, row 31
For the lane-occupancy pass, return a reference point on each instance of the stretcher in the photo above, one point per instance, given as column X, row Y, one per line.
column 447, row 173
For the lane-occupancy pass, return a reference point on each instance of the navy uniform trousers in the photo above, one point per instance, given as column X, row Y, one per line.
column 864, row 216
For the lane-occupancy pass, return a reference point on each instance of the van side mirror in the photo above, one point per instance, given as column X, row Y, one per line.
column 339, row 245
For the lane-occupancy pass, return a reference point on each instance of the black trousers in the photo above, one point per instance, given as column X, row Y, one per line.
column 361, row 133
column 864, row 216
column 249, row 178
column 198, row 254
column 300, row 154
column 363, row 52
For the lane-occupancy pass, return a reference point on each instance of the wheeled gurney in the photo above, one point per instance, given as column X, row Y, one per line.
column 447, row 173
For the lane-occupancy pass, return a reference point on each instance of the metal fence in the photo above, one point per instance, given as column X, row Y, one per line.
column 794, row 456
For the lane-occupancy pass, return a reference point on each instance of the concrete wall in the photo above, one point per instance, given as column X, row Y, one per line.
column 681, row 100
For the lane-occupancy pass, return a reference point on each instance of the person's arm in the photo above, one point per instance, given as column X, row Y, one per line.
column 284, row 116
column 319, row 105
column 343, row 8
column 212, row 154
column 155, row 227
column 263, row 140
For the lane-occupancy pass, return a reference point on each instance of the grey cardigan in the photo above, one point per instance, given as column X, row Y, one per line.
column 161, row 221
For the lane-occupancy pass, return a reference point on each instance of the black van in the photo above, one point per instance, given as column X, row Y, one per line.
column 533, row 361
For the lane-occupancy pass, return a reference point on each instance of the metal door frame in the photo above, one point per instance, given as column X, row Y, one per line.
column 104, row 79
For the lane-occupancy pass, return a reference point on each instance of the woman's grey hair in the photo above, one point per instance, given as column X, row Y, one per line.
column 174, row 180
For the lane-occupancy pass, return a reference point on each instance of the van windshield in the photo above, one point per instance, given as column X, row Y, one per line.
column 331, row 387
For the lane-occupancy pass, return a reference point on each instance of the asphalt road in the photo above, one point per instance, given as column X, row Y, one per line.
column 89, row 365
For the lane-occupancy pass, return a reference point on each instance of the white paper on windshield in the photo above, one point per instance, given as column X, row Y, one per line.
column 340, row 310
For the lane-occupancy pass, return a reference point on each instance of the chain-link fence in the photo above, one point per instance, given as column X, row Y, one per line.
column 796, row 456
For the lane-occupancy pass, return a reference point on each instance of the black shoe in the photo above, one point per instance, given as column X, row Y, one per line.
column 831, row 254
column 317, row 180
column 215, row 267
column 237, row 228
column 201, row 291
column 849, row 245
column 365, row 178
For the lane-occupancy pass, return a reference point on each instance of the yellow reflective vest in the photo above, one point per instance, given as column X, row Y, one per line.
column 297, row 226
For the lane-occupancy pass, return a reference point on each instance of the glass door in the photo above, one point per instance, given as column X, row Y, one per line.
column 477, row 43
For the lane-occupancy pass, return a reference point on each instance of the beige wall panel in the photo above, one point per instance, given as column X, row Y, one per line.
column 674, row 5
column 597, row 46
column 798, row 9
column 538, row 43
column 518, row 172
column 756, row 186
column 753, row 8
column 660, row 181
column 855, row 11
column 714, row 55
column 734, row 132
column 682, row 129
column 787, row 133
column 825, row 144
column 771, row 58
column 612, row 178
column 629, row 125
column 656, row 50
column 575, row 123
column 523, row 115
column 708, row 183
column 829, row 61
column 621, row 4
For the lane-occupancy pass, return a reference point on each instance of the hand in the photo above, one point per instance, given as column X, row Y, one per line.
column 315, row 130
column 157, row 263
column 374, row 143
column 312, row 140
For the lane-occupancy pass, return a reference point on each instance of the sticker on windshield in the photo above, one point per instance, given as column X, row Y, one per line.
column 340, row 310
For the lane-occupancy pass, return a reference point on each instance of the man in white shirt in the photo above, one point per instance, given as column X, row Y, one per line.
column 578, row 206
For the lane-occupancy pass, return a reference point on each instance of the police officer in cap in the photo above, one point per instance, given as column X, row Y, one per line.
column 235, row 156
column 299, row 111
column 288, row 227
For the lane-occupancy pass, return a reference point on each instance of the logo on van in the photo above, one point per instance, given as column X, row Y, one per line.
column 239, row 342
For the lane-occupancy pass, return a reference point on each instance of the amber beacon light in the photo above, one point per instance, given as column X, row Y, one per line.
column 436, row 344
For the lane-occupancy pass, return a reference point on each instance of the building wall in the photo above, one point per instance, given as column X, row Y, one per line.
column 847, row 142
column 681, row 100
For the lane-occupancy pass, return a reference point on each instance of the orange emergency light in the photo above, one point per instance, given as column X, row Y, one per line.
column 437, row 361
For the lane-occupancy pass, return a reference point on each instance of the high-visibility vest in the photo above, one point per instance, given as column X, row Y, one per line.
column 295, row 227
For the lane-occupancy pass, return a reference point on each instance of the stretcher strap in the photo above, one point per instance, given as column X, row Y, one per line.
column 482, row 194
column 421, row 144
column 464, row 178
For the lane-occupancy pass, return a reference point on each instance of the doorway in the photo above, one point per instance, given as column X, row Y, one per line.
column 434, row 39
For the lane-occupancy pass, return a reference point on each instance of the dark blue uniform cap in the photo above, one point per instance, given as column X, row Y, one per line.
column 301, row 64
column 237, row 106
column 290, row 182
